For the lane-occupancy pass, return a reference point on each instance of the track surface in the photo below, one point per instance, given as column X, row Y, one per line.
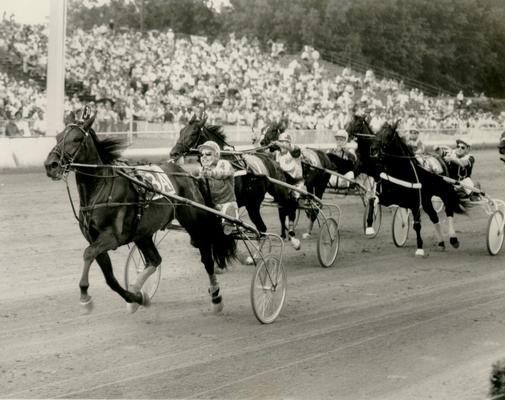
column 381, row 324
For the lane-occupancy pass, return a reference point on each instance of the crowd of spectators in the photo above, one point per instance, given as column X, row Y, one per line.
column 160, row 77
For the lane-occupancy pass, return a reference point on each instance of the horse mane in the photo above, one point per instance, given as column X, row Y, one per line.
column 404, row 146
column 358, row 124
column 109, row 148
column 217, row 131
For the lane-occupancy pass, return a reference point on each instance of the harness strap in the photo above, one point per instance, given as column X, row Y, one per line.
column 109, row 204
column 400, row 182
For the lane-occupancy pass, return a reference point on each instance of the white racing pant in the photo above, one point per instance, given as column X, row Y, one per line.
column 339, row 183
column 230, row 208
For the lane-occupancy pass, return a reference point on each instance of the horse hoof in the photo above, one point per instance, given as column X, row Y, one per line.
column 296, row 243
column 420, row 253
column 217, row 308
column 249, row 260
column 454, row 242
column 87, row 305
column 132, row 307
column 441, row 246
column 306, row 235
column 369, row 231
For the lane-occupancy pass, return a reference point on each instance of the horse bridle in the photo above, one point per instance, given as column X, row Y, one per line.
column 65, row 160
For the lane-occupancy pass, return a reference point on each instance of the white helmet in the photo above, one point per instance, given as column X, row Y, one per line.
column 285, row 137
column 342, row 133
column 212, row 146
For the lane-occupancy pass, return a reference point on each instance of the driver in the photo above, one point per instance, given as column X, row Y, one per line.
column 288, row 155
column 219, row 175
column 346, row 151
column 460, row 165
column 414, row 142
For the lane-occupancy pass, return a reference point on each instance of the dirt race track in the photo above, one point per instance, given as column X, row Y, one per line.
column 380, row 324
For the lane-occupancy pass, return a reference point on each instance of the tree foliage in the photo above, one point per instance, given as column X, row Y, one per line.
column 453, row 44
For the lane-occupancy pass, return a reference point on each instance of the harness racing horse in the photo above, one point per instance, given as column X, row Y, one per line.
column 402, row 181
column 113, row 212
column 252, row 177
column 313, row 163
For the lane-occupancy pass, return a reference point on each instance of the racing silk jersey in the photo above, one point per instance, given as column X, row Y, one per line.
column 346, row 152
column 458, row 172
column 289, row 164
column 221, row 182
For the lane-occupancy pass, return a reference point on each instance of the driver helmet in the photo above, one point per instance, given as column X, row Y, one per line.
column 285, row 137
column 211, row 145
column 341, row 134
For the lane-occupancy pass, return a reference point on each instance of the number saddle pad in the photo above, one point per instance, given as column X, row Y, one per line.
column 154, row 177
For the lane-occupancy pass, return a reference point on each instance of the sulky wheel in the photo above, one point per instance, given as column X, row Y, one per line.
column 401, row 225
column 268, row 289
column 495, row 233
column 135, row 264
column 328, row 243
column 377, row 218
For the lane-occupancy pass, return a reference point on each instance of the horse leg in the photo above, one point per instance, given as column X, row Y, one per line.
column 432, row 214
column 214, row 290
column 291, row 213
column 105, row 264
column 318, row 191
column 311, row 188
column 86, row 300
column 370, row 230
column 253, row 209
column 98, row 250
column 417, row 229
column 152, row 258
column 282, row 219
column 453, row 239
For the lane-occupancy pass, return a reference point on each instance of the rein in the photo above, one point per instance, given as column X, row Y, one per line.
column 109, row 204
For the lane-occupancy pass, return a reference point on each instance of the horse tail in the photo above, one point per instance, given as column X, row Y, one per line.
column 224, row 247
column 459, row 203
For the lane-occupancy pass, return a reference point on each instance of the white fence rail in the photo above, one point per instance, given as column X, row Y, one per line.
column 154, row 146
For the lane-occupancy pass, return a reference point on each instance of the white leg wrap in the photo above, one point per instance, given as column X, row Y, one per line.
column 438, row 230
column 420, row 252
column 450, row 223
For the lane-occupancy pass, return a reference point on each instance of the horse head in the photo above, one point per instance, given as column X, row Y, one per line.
column 391, row 149
column 189, row 136
column 358, row 125
column 78, row 143
column 272, row 133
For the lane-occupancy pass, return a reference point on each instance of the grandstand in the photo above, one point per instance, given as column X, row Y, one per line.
column 169, row 76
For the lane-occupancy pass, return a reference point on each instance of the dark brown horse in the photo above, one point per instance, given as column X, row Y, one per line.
column 314, row 161
column 401, row 180
column 112, row 212
column 253, row 178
